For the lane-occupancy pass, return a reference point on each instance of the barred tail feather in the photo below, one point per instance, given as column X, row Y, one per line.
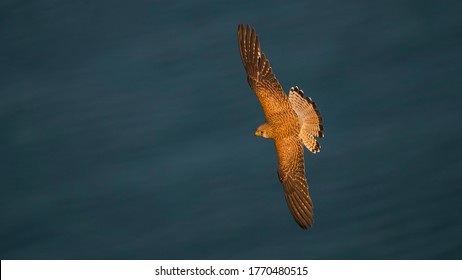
column 310, row 119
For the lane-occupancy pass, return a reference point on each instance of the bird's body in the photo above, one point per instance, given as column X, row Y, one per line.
column 291, row 121
column 281, row 125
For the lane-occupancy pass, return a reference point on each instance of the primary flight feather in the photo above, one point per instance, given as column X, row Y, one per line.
column 291, row 121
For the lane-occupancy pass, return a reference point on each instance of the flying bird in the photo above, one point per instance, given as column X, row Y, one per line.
column 291, row 121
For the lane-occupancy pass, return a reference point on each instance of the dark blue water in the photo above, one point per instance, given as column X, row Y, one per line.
column 127, row 130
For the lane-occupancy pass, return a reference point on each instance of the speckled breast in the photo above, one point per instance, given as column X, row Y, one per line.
column 284, row 124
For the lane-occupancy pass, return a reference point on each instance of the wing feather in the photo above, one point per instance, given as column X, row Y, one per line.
column 260, row 74
column 291, row 172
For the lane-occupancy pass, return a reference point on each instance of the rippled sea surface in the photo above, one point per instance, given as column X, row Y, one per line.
column 127, row 130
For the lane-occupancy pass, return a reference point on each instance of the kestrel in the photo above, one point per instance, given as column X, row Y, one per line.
column 291, row 121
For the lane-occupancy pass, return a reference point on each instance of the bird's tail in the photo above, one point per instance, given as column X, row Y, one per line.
column 310, row 119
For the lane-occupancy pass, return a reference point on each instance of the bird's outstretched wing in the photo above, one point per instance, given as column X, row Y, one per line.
column 291, row 172
column 259, row 73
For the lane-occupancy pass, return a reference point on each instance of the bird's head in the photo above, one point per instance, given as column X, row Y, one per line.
column 263, row 131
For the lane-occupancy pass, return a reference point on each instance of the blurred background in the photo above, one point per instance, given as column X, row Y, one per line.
column 127, row 130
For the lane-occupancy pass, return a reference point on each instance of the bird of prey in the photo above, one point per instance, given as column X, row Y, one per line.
column 291, row 121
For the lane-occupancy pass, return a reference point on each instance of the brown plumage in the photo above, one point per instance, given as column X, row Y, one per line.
column 291, row 121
